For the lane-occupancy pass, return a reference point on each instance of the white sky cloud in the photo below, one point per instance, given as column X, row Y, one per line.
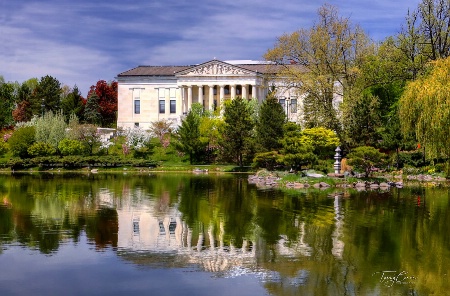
column 81, row 42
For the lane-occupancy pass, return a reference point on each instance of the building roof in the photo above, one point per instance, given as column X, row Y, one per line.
column 261, row 67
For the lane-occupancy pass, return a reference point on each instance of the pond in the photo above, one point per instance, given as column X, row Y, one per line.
column 215, row 234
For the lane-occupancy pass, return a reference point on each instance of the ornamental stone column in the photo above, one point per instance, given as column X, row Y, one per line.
column 254, row 90
column 189, row 102
column 211, row 97
column 221, row 98
column 200, row 95
column 244, row 91
column 233, row 91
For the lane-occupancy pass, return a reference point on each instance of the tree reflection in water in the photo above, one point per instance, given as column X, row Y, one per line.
column 310, row 242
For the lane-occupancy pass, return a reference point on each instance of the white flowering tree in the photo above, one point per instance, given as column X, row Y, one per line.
column 137, row 139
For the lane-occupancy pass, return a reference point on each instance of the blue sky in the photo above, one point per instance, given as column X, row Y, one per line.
column 80, row 42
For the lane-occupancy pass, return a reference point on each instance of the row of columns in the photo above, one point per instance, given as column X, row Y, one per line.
column 257, row 92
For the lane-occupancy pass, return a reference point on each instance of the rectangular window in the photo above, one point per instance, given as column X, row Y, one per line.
column 137, row 106
column 136, row 124
column 293, row 105
column 173, row 106
column 162, row 106
column 282, row 103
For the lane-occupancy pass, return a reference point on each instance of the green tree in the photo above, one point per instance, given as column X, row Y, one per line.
column 362, row 122
column 3, row 148
column 7, row 104
column 365, row 158
column 189, row 137
column 297, row 149
column 23, row 111
column 91, row 110
column 72, row 103
column 424, row 109
column 238, row 136
column 326, row 62
column 46, row 96
column 70, row 147
column 20, row 140
column 50, row 128
column 271, row 120
column 324, row 141
column 87, row 134
column 41, row 149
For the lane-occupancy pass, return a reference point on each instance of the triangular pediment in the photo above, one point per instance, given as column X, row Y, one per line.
column 215, row 68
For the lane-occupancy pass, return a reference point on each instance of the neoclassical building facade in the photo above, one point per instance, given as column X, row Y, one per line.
column 152, row 93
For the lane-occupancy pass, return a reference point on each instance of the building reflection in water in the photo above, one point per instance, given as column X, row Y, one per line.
column 141, row 231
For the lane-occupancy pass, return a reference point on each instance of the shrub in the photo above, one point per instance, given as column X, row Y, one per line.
column 414, row 158
column 365, row 158
column 267, row 160
column 21, row 140
column 70, row 147
column 41, row 149
column 3, row 148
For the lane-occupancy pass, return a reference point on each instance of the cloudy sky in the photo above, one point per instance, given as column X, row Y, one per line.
column 83, row 41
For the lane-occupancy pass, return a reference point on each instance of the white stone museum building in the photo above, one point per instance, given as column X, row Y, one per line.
column 151, row 93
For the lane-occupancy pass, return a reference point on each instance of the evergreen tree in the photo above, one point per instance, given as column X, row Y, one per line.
column 238, row 136
column 297, row 148
column 73, row 104
column 189, row 136
column 46, row 96
column 91, row 113
column 269, row 129
column 7, row 99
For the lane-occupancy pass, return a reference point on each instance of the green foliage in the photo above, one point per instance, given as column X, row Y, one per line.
column 324, row 166
column 267, row 160
column 362, row 120
column 365, row 158
column 413, row 158
column 91, row 110
column 238, row 136
column 72, row 103
column 3, row 148
column 46, row 96
column 70, row 147
column 424, row 110
column 324, row 141
column 297, row 149
column 189, row 137
column 41, row 149
column 87, row 134
column 330, row 54
column 269, row 129
column 7, row 102
column 21, row 139
column 50, row 128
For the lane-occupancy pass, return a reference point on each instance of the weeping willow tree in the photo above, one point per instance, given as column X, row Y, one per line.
column 425, row 109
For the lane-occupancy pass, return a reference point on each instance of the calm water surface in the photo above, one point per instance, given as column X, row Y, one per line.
column 183, row 234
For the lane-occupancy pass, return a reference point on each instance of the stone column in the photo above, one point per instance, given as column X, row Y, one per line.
column 221, row 98
column 189, row 102
column 211, row 97
column 200, row 94
column 254, row 90
column 244, row 91
column 233, row 91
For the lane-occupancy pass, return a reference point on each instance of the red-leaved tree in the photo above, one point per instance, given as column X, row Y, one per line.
column 107, row 102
